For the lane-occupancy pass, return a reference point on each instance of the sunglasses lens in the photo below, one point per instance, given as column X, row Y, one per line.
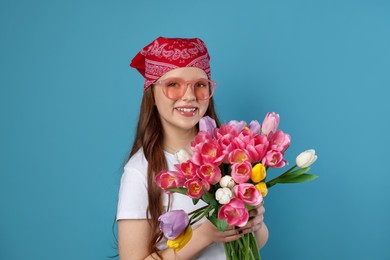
column 202, row 89
column 175, row 88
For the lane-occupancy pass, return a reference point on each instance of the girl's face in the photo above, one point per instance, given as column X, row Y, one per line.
column 185, row 112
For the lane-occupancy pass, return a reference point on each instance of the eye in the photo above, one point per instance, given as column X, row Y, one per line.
column 172, row 84
column 202, row 84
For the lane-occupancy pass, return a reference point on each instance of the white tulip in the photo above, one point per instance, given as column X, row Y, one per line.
column 306, row 158
column 227, row 182
column 182, row 156
column 223, row 195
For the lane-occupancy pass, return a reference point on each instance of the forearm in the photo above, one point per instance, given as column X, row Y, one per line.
column 199, row 241
column 262, row 235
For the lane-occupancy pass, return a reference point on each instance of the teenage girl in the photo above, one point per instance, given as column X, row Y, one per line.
column 174, row 100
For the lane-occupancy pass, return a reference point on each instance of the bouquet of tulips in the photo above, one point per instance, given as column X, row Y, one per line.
column 228, row 170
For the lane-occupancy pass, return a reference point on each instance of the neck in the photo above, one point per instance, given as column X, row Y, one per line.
column 179, row 139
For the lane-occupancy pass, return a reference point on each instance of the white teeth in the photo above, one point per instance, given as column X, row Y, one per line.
column 186, row 109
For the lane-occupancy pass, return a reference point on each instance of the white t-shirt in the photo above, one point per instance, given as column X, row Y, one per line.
column 133, row 199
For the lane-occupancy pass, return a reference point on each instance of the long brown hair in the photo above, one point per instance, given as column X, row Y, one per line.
column 149, row 137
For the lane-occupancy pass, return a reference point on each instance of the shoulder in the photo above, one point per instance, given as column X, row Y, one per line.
column 137, row 161
column 137, row 165
column 133, row 190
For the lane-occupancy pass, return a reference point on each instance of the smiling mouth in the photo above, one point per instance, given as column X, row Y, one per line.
column 187, row 110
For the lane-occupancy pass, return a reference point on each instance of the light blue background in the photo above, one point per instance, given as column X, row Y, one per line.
column 69, row 104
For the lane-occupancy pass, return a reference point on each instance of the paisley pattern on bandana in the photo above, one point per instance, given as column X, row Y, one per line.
column 166, row 54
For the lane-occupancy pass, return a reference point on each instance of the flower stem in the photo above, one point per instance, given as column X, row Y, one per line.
column 247, row 249
column 275, row 180
column 204, row 213
column 244, row 248
column 227, row 251
column 197, row 210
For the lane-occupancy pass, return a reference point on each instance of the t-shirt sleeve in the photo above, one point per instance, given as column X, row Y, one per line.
column 133, row 195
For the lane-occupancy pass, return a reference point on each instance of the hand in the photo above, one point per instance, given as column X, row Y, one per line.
column 214, row 235
column 256, row 219
column 255, row 222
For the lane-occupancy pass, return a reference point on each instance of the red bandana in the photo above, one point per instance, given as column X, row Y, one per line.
column 165, row 54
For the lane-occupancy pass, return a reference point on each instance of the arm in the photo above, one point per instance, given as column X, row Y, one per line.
column 133, row 237
column 133, row 240
column 203, row 236
column 207, row 233
column 262, row 235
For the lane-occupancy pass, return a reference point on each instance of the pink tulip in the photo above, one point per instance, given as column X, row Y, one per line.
column 209, row 152
column 210, row 173
column 243, row 139
column 258, row 148
column 279, row 141
column 241, row 172
column 274, row 159
column 173, row 223
column 207, row 124
column 270, row 123
column 248, row 193
column 195, row 187
column 188, row 169
column 169, row 179
column 201, row 138
column 238, row 156
column 225, row 135
column 235, row 213
column 227, row 146
column 226, row 130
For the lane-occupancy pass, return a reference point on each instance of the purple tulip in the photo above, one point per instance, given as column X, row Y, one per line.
column 173, row 223
column 238, row 124
column 208, row 125
column 254, row 126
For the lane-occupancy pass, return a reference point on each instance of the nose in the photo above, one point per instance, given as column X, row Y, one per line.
column 189, row 95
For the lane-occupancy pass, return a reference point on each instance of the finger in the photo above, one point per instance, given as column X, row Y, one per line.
column 231, row 232
column 228, row 237
column 260, row 204
column 251, row 229
column 252, row 226
column 257, row 211
column 256, row 220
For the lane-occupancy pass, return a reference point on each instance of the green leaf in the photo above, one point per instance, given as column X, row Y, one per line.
column 196, row 214
column 220, row 224
column 213, row 220
column 178, row 190
column 294, row 174
column 287, row 176
column 195, row 201
column 249, row 207
column 207, row 199
column 299, row 179
column 213, row 203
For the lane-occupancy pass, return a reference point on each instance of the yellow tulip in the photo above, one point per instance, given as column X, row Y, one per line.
column 262, row 187
column 179, row 242
column 258, row 173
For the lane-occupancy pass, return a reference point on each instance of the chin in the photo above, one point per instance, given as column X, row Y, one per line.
column 188, row 123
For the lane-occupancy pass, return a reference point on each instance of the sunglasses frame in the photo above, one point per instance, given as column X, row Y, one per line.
column 161, row 82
